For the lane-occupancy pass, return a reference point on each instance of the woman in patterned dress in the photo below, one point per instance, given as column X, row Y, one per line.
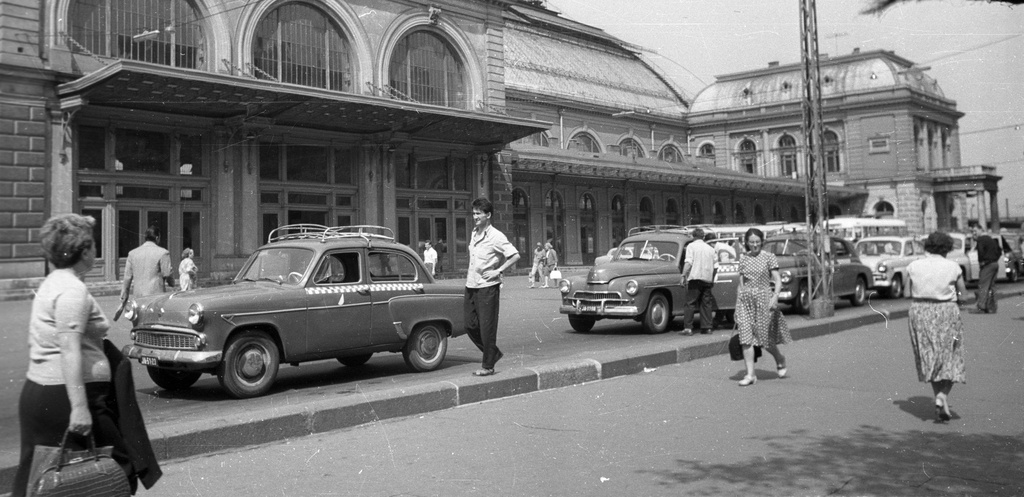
column 936, row 330
column 758, row 318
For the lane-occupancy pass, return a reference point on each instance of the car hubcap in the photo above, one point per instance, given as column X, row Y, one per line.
column 659, row 314
column 252, row 364
column 429, row 344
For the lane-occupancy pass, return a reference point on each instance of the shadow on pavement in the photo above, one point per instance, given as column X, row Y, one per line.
column 868, row 461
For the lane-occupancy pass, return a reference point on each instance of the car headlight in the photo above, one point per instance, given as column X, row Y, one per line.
column 564, row 286
column 131, row 311
column 632, row 287
column 195, row 316
column 786, row 276
column 882, row 267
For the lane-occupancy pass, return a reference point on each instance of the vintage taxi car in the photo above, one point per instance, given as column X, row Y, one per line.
column 641, row 282
column 311, row 293
column 888, row 258
column 849, row 278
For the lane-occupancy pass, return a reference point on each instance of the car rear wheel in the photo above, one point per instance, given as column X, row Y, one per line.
column 426, row 347
column 860, row 293
column 250, row 366
column 802, row 302
column 658, row 315
column 355, row 360
column 896, row 289
column 1014, row 275
column 171, row 379
column 581, row 324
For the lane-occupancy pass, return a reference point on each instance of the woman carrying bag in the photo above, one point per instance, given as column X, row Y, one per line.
column 550, row 265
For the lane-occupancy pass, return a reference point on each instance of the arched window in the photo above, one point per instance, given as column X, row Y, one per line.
column 831, row 146
column 165, row 32
column 588, row 228
column 787, row 156
column 670, row 153
column 521, row 224
column 618, row 220
column 717, row 213
column 696, row 213
column 739, row 214
column 646, row 212
column 759, row 214
column 672, row 212
column 426, row 68
column 555, row 217
column 707, row 151
column 884, row 208
column 296, row 43
column 583, row 142
column 746, row 158
column 631, row 148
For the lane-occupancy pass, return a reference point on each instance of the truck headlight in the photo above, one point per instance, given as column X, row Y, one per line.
column 632, row 287
column 195, row 316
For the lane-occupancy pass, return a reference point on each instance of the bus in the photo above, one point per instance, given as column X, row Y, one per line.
column 855, row 228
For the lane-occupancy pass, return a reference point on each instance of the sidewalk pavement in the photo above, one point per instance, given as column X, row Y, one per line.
column 246, row 427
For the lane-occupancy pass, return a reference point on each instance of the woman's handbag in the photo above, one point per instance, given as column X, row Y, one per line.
column 736, row 349
column 61, row 472
column 555, row 274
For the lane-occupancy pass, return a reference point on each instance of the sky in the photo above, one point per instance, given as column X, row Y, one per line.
column 975, row 50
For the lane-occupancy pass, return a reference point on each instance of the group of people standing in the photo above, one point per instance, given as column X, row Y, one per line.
column 545, row 260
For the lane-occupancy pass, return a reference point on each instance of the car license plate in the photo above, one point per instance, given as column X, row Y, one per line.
column 147, row 361
column 589, row 307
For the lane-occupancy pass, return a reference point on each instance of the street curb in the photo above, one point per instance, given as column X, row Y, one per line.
column 183, row 439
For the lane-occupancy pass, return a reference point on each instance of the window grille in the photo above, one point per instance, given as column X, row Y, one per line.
column 426, row 69
column 165, row 32
column 298, row 44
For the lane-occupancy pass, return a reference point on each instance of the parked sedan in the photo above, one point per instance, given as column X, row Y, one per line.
column 311, row 293
column 849, row 278
column 888, row 258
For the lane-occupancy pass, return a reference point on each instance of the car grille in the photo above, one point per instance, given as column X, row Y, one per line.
column 164, row 340
column 597, row 295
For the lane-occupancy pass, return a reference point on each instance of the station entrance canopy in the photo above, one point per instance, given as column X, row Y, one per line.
column 148, row 87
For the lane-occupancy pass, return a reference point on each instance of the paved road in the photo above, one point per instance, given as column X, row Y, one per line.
column 851, row 420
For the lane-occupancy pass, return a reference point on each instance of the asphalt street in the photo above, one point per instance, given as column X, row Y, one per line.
column 851, row 419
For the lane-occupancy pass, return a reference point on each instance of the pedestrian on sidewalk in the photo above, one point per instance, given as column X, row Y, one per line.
column 538, row 263
column 698, row 279
column 147, row 270
column 67, row 385
column 936, row 286
column 490, row 254
column 429, row 256
column 989, row 254
column 187, row 271
column 758, row 318
column 550, row 263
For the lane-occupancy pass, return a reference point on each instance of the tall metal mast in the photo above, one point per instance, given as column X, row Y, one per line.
column 819, row 261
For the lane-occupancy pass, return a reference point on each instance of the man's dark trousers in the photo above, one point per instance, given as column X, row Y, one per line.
column 481, row 311
column 986, row 291
column 698, row 292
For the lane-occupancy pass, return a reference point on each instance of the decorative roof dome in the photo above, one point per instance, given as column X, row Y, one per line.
column 854, row 73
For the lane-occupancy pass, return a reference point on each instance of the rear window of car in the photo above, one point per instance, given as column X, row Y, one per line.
column 390, row 267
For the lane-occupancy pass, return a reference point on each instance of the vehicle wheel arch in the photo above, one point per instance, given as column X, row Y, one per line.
column 269, row 329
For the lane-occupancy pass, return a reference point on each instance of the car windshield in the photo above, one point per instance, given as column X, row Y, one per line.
column 647, row 250
column 785, row 246
column 878, row 247
column 281, row 265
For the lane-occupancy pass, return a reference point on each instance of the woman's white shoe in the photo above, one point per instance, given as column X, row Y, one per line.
column 748, row 380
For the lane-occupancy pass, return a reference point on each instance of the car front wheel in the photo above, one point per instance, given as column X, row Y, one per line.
column 170, row 379
column 426, row 347
column 896, row 289
column 1014, row 275
column 581, row 324
column 250, row 365
column 860, row 293
column 802, row 302
column 658, row 315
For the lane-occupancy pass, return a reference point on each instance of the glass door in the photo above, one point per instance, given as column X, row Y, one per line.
column 435, row 228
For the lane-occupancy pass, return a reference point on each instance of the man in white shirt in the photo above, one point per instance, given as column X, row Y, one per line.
column 429, row 256
column 698, row 278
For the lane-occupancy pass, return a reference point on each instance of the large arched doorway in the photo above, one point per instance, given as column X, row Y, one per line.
column 521, row 227
column 588, row 229
column 554, row 214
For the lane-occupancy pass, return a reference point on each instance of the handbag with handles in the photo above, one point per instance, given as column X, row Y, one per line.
column 555, row 274
column 61, row 472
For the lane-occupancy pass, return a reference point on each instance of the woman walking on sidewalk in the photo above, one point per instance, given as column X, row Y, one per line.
column 538, row 264
column 758, row 319
column 936, row 328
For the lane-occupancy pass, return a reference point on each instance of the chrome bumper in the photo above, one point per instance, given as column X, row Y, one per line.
column 626, row 311
column 189, row 360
